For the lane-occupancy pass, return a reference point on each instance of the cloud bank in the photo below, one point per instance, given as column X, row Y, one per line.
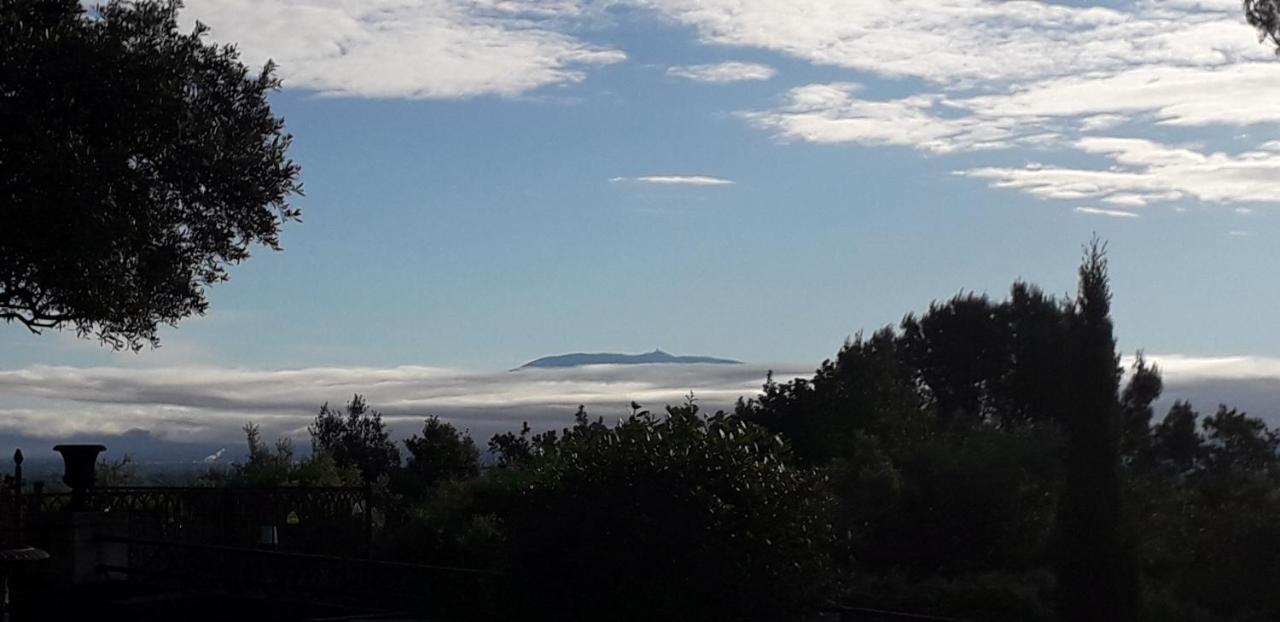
column 211, row 404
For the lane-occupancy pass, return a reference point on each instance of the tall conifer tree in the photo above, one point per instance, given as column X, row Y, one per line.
column 1097, row 569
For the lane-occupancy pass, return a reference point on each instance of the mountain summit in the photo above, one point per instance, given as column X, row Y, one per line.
column 578, row 359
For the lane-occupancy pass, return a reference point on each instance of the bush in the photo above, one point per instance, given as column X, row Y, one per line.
column 675, row 517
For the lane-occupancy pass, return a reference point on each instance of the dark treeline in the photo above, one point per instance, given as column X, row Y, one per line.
column 987, row 459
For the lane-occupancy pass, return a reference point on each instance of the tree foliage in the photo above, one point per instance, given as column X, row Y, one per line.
column 136, row 163
column 1097, row 569
column 277, row 464
column 985, row 459
column 441, row 452
column 679, row 516
column 1264, row 15
column 355, row 437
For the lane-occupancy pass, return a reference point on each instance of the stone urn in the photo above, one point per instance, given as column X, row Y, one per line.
column 79, row 462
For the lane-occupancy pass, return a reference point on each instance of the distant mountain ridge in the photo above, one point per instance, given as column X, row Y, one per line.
column 578, row 359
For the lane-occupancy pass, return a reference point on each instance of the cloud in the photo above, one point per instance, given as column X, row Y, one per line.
column 1175, row 94
column 1101, row 122
column 941, row 123
column 1145, row 172
column 407, row 48
column 1113, row 213
column 212, row 403
column 1249, row 383
column 834, row 113
column 971, row 41
column 675, row 180
column 723, row 72
column 1029, row 75
column 1182, row 367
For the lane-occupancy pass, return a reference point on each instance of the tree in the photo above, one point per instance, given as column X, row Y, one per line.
column 1240, row 443
column 511, row 449
column 1176, row 446
column 680, row 516
column 275, row 465
column 1265, row 16
column 1143, row 388
column 355, row 437
column 136, row 164
column 1097, row 568
column 441, row 453
column 267, row 466
column 959, row 348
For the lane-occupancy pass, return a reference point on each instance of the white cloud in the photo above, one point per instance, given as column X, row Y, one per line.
column 940, row 123
column 1113, row 213
column 676, row 180
column 1146, row 172
column 1249, row 383
column 211, row 403
column 1101, row 122
column 723, row 72
column 834, row 113
column 970, row 41
column 407, row 48
column 1000, row 75
column 1182, row 367
column 1130, row 199
column 1174, row 94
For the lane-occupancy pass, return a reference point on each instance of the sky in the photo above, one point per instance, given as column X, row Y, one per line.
column 491, row 181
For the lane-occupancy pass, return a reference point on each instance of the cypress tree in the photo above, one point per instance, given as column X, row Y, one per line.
column 1097, row 566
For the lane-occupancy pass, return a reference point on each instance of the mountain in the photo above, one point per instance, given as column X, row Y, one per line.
column 578, row 359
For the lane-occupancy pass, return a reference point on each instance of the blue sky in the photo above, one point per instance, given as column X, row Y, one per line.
column 490, row 181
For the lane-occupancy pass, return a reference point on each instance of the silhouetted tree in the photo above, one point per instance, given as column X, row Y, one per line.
column 1176, row 445
column 1264, row 15
column 868, row 390
column 1237, row 442
column 1142, row 390
column 277, row 465
column 355, row 437
column 440, row 453
column 136, row 163
column 510, row 448
column 665, row 517
column 960, row 350
column 1097, row 570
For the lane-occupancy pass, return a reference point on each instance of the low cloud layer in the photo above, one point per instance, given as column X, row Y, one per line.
column 213, row 403
column 209, row 405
